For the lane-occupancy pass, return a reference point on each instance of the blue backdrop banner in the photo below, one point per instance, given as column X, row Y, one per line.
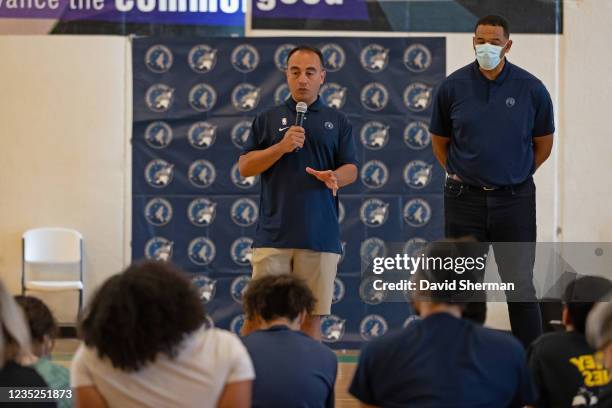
column 194, row 102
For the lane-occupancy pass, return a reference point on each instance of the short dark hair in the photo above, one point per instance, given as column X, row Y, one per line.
column 146, row 310
column 496, row 21
column 273, row 297
column 39, row 317
column 307, row 48
column 580, row 296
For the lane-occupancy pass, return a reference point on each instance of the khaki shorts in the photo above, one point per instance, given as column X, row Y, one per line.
column 317, row 269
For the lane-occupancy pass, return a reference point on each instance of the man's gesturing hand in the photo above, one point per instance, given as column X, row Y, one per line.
column 328, row 177
column 293, row 139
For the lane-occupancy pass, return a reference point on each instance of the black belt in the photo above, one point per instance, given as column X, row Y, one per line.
column 511, row 187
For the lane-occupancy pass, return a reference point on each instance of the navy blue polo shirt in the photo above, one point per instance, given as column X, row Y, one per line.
column 295, row 209
column 291, row 369
column 491, row 123
column 443, row 361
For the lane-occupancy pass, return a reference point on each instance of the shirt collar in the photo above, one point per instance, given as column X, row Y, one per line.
column 314, row 107
column 500, row 78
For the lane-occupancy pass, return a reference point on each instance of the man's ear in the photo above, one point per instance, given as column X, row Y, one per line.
column 507, row 47
column 323, row 73
column 565, row 317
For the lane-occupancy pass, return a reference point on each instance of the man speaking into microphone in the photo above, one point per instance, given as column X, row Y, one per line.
column 303, row 159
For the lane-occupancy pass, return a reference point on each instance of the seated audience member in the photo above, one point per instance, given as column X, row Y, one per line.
column 15, row 350
column 565, row 368
column 599, row 336
column 146, row 345
column 443, row 360
column 43, row 330
column 291, row 369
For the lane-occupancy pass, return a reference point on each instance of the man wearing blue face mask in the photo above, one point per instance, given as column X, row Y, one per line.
column 492, row 126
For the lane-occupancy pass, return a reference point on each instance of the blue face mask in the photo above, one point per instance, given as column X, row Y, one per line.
column 488, row 55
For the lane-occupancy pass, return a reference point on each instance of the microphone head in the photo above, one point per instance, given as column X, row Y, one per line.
column 301, row 107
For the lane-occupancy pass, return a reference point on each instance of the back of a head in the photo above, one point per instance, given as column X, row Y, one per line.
column 146, row 310
column 14, row 332
column 274, row 297
column 444, row 264
column 39, row 318
column 580, row 296
column 599, row 325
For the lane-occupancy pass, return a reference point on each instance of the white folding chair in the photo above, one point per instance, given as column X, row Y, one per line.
column 52, row 246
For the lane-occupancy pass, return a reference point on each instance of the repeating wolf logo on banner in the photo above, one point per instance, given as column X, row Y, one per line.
column 194, row 102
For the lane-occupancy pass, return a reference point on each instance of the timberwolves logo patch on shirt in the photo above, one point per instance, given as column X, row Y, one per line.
column 202, row 173
column 372, row 326
column 416, row 135
column 333, row 57
column 201, row 251
column 374, row 135
column 236, row 324
column 239, row 285
column 244, row 212
column 243, row 182
column 417, row 174
column 371, row 248
column 339, row 291
column 206, row 288
column 374, row 96
column 158, row 135
column 415, row 246
column 332, row 328
column 417, row 58
column 245, row 97
column 242, row 251
column 245, row 58
column 159, row 249
column 417, row 96
column 159, row 173
column 510, row 102
column 240, row 133
column 333, row 95
column 202, row 58
column 159, row 59
column 280, row 56
column 374, row 212
column 374, row 57
column 159, row 97
column 202, row 135
column 374, row 174
column 368, row 294
column 417, row 212
column 158, row 212
column 201, row 212
column 202, row 97
column 281, row 94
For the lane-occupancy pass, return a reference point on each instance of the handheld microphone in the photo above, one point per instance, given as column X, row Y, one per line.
column 300, row 109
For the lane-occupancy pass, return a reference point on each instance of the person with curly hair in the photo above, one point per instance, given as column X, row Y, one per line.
column 146, row 344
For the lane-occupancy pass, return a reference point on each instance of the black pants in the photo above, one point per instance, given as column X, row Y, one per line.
column 500, row 217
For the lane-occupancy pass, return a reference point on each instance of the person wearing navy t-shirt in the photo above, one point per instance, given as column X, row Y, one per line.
column 492, row 126
column 291, row 368
column 443, row 360
column 301, row 168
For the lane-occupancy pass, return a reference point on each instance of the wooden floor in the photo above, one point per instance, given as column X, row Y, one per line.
column 65, row 348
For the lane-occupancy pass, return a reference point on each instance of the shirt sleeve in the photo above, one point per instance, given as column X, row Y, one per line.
column 535, row 367
column 526, row 393
column 346, row 145
column 255, row 139
column 440, row 123
column 241, row 366
column 361, row 386
column 80, row 375
column 544, row 123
